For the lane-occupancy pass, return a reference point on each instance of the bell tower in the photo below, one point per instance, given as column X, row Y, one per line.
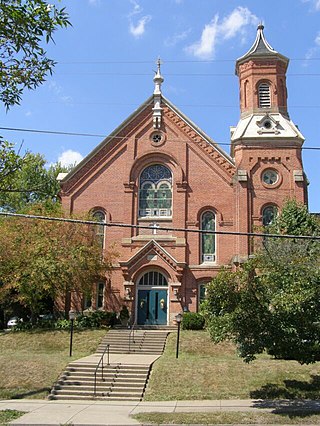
column 266, row 144
column 262, row 78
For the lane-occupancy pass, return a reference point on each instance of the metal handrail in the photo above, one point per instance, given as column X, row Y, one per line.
column 97, row 367
column 132, row 333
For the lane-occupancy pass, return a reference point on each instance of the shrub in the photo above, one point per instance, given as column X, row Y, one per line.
column 192, row 321
column 96, row 319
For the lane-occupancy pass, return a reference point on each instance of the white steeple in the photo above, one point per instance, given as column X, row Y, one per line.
column 157, row 110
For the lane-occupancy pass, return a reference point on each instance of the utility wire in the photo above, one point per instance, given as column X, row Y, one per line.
column 97, row 135
column 162, row 228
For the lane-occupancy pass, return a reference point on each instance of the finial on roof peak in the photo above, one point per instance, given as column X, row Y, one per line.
column 157, row 110
column 158, row 79
column 260, row 26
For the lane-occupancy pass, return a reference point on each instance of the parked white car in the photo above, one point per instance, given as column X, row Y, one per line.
column 13, row 321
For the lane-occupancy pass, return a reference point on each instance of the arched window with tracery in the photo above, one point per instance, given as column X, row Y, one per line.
column 99, row 229
column 264, row 93
column 155, row 191
column 208, row 241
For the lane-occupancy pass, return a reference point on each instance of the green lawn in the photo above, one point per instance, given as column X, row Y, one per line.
column 207, row 371
column 30, row 362
column 9, row 415
column 229, row 418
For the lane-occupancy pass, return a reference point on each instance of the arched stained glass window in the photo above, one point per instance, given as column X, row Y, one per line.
column 269, row 213
column 155, row 192
column 264, row 95
column 99, row 216
column 208, row 241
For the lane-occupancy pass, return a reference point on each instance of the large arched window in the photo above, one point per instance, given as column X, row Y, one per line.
column 208, row 241
column 99, row 216
column 269, row 213
column 264, row 93
column 155, row 192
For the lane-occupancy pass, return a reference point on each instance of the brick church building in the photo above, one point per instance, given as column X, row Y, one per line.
column 159, row 170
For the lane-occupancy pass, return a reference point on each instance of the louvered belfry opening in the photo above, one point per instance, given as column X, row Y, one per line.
column 264, row 95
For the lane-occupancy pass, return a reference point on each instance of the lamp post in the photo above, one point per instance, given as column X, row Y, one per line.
column 72, row 316
column 178, row 320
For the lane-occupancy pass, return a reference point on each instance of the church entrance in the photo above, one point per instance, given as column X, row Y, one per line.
column 152, row 300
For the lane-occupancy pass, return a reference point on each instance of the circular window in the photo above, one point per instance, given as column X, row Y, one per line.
column 270, row 177
column 157, row 138
column 267, row 124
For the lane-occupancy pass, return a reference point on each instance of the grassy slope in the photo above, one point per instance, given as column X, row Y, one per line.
column 207, row 371
column 30, row 362
column 230, row 418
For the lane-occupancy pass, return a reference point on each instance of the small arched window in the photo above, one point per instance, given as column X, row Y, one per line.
column 99, row 216
column 269, row 213
column 208, row 241
column 155, row 192
column 264, row 93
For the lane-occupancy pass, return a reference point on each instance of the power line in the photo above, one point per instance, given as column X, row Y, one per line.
column 186, row 61
column 53, row 132
column 162, row 228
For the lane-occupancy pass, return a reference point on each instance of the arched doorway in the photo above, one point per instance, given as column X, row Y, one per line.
column 152, row 300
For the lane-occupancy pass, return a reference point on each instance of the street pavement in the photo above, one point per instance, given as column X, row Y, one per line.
column 83, row 413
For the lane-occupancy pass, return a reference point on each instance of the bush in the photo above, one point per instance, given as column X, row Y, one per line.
column 96, row 319
column 192, row 321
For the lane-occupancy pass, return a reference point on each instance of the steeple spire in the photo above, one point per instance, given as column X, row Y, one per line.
column 157, row 110
column 260, row 49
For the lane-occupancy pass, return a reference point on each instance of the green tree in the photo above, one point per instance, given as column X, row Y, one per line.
column 273, row 302
column 41, row 259
column 29, row 181
column 25, row 27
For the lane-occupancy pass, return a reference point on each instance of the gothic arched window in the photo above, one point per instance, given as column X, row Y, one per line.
column 155, row 192
column 99, row 216
column 269, row 213
column 208, row 241
column 264, row 93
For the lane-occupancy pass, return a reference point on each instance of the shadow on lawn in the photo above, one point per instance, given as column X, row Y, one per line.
column 290, row 389
column 293, row 398
column 26, row 394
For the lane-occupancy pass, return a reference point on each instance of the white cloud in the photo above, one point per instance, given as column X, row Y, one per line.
column 139, row 29
column 136, row 8
column 176, row 38
column 204, row 48
column 217, row 31
column 315, row 3
column 313, row 50
column 70, row 158
column 59, row 92
column 94, row 2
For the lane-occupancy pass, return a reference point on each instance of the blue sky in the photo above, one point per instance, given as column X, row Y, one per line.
column 106, row 63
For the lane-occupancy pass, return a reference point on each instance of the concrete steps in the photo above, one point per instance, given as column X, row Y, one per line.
column 120, row 382
column 141, row 342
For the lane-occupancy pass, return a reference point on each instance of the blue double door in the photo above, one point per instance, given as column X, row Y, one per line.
column 152, row 306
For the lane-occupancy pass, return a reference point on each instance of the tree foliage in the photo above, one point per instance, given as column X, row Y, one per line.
column 41, row 259
column 25, row 27
column 27, row 180
column 273, row 302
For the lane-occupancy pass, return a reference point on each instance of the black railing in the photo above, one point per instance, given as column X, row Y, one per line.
column 131, row 335
column 107, row 349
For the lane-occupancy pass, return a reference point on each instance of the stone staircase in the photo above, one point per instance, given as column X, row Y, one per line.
column 141, row 342
column 121, row 381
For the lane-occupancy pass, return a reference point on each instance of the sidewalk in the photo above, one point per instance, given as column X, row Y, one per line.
column 98, row 413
